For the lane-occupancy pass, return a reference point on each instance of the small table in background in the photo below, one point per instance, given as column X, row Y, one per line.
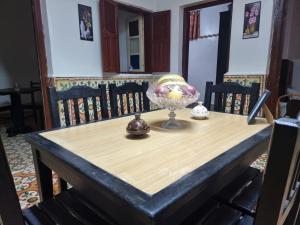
column 17, row 109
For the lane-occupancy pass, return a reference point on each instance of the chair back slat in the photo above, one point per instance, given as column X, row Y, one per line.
column 146, row 102
column 66, row 112
column 208, row 95
column 86, row 110
column 224, row 99
column 10, row 210
column 140, row 102
column 76, row 111
column 74, row 95
column 134, row 101
column 121, row 104
column 280, row 190
column 224, row 90
column 95, row 108
column 128, row 103
column 242, row 106
column 127, row 89
column 232, row 103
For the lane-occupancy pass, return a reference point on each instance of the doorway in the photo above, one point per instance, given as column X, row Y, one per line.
column 20, row 97
column 207, row 29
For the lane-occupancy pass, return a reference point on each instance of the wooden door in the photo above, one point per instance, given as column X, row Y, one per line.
column 109, row 36
column 161, row 32
column 223, row 45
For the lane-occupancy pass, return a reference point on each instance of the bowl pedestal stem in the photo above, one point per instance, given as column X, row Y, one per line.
column 171, row 123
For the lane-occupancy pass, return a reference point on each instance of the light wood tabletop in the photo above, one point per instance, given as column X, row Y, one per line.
column 161, row 158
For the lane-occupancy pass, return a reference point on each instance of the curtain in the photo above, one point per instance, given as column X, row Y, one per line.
column 194, row 25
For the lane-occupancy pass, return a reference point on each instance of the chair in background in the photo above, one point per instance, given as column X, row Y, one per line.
column 35, row 107
column 75, row 94
column 65, row 209
column 292, row 106
column 278, row 192
column 224, row 90
column 127, row 89
column 5, row 107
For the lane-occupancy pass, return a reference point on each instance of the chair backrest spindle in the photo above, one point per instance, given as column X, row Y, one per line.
column 75, row 94
column 126, row 89
column 223, row 92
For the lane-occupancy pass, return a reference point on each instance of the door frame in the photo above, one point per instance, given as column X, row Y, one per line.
column 186, row 25
column 278, row 35
column 42, row 60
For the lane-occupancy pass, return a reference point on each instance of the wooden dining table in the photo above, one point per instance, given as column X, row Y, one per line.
column 157, row 179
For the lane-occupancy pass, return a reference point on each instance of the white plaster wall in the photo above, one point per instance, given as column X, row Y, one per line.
column 203, row 53
column 250, row 56
column 71, row 56
column 149, row 5
column 67, row 55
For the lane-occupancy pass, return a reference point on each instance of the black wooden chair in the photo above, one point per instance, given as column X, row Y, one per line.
column 222, row 92
column 6, row 107
column 292, row 102
column 74, row 94
column 35, row 106
column 278, row 192
column 67, row 208
column 126, row 89
column 273, row 198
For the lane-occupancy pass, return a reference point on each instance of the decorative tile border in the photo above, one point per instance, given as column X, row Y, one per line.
column 65, row 83
column 244, row 80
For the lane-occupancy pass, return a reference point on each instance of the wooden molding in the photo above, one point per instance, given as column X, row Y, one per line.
column 267, row 114
column 42, row 59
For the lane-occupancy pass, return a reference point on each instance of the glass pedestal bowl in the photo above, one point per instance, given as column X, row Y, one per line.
column 172, row 97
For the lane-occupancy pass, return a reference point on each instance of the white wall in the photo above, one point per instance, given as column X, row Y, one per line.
column 203, row 53
column 67, row 55
column 250, row 56
column 246, row 56
column 71, row 56
column 149, row 5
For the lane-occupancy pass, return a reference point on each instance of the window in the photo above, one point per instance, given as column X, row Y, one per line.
column 135, row 44
column 144, row 44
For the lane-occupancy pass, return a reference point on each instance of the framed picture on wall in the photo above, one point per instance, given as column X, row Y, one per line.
column 85, row 22
column 251, row 20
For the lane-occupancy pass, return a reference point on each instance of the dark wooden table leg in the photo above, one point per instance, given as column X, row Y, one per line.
column 43, row 176
column 17, row 116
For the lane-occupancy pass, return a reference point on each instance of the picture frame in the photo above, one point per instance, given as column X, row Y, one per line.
column 258, row 106
column 85, row 23
column 252, row 15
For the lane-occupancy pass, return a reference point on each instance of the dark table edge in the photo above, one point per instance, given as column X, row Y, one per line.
column 156, row 205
